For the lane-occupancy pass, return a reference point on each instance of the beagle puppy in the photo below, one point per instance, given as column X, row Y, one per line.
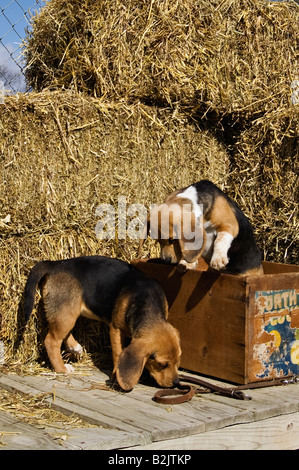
column 202, row 213
column 115, row 292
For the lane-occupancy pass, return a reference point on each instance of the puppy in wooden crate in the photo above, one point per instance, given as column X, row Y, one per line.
column 115, row 292
column 200, row 220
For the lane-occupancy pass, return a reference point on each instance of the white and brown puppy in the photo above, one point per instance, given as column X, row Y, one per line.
column 216, row 229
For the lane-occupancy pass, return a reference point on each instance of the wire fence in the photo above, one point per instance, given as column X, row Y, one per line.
column 14, row 19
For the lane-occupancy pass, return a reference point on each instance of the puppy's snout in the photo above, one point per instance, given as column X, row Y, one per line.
column 167, row 259
column 176, row 381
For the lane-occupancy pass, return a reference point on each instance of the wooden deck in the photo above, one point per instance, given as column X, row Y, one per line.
column 134, row 421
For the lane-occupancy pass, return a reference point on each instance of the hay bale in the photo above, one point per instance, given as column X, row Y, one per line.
column 265, row 181
column 223, row 57
column 61, row 155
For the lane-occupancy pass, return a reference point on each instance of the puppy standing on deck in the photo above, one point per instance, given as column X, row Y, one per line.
column 115, row 292
column 227, row 241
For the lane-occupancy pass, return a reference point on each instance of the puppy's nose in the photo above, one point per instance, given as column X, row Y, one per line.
column 167, row 259
column 176, row 381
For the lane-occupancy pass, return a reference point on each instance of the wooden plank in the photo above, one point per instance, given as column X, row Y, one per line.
column 102, row 439
column 161, row 421
column 214, row 415
column 213, row 337
column 99, row 438
column 15, row 435
column 117, row 408
column 266, row 402
column 279, row 433
column 277, row 268
column 139, row 421
column 66, row 404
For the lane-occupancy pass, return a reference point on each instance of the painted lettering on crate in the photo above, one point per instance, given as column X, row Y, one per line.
column 277, row 322
column 276, row 300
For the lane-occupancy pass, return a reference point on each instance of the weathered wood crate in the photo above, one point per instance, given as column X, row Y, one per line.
column 240, row 329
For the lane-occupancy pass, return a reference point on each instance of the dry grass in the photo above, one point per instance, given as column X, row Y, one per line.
column 37, row 411
column 265, row 181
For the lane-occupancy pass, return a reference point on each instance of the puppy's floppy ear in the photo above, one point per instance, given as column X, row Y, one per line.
column 193, row 235
column 131, row 364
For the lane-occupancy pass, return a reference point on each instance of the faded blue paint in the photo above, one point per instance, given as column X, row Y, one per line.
column 282, row 358
column 277, row 307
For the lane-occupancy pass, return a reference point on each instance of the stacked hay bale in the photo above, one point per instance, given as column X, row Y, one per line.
column 137, row 99
column 229, row 57
column 265, row 181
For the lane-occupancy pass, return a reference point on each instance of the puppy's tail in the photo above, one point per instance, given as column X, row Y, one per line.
column 35, row 276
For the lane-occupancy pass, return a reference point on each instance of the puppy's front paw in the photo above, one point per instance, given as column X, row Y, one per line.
column 77, row 349
column 68, row 369
column 183, row 266
column 218, row 262
column 221, row 246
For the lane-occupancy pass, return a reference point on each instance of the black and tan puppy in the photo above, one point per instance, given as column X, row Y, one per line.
column 115, row 292
column 225, row 237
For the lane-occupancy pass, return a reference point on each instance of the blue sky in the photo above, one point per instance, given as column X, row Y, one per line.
column 16, row 12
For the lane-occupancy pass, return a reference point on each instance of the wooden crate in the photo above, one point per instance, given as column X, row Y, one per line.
column 240, row 329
